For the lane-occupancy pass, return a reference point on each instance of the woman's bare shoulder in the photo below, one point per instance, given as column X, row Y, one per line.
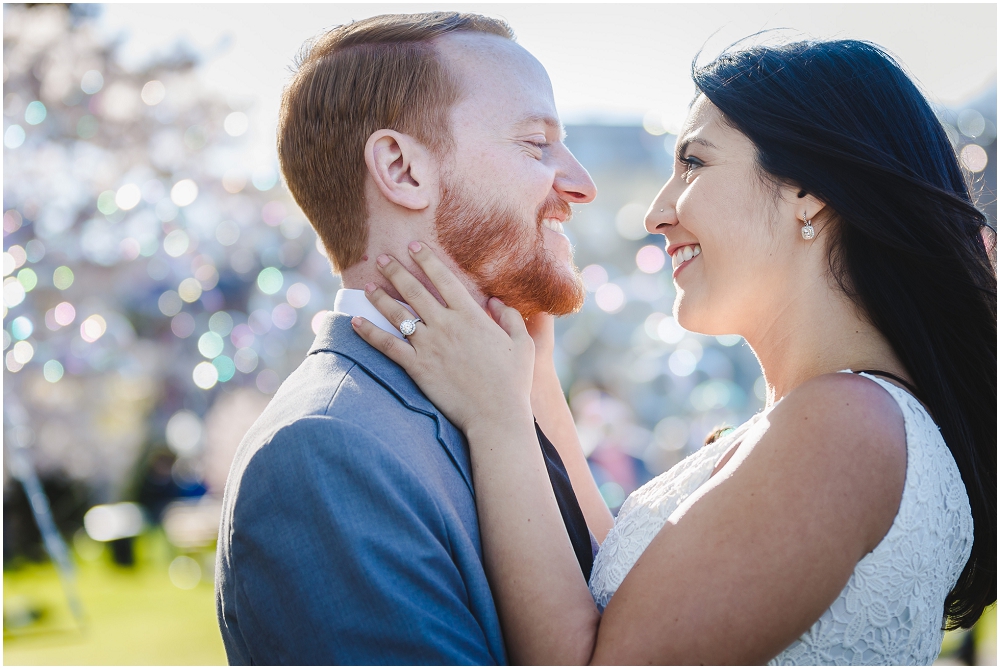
column 814, row 486
column 849, row 431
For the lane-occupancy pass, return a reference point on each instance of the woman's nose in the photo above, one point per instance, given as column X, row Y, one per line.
column 661, row 214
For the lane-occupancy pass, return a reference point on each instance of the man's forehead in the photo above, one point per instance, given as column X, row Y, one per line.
column 464, row 46
column 490, row 66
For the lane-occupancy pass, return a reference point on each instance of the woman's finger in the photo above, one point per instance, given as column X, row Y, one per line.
column 397, row 350
column 509, row 319
column 451, row 289
column 409, row 288
column 393, row 311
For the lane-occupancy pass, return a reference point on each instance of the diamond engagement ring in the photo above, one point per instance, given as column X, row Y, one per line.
column 409, row 326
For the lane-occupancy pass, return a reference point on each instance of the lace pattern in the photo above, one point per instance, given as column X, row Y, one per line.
column 891, row 610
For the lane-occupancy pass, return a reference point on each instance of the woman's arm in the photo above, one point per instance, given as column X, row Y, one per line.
column 554, row 417
column 742, row 568
column 478, row 371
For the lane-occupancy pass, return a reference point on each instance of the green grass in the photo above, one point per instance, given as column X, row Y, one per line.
column 138, row 616
column 132, row 616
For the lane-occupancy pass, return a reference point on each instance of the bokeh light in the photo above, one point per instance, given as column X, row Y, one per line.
column 21, row 327
column 92, row 82
column 652, row 122
column 630, row 221
column 170, row 303
column 184, row 192
column 971, row 123
column 210, row 344
column 63, row 314
column 234, row 181
column 270, row 280
column 28, row 279
column 221, row 323
column 190, row 290
column 14, row 136
column 182, row 325
column 205, row 375
column 93, row 328
column 176, row 243
column 128, row 196
column 610, row 298
column 62, row 277
column 245, row 360
column 184, row 432
column 106, row 203
column 268, row 381
column 671, row 433
column 317, row 321
column 650, row 259
column 974, row 157
column 35, row 113
column 594, row 276
column 283, row 316
column 184, row 572
column 669, row 330
column 13, row 292
column 225, row 367
column 682, row 362
column 52, row 371
column 236, row 124
column 153, row 92
column 227, row 232
column 264, row 178
column 108, row 522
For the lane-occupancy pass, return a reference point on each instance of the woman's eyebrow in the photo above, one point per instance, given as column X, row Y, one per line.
column 682, row 147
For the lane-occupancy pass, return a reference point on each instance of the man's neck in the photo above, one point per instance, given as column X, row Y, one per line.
column 366, row 271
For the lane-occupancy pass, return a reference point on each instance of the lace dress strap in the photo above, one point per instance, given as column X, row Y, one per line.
column 906, row 384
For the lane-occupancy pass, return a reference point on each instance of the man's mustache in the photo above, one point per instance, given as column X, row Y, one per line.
column 555, row 208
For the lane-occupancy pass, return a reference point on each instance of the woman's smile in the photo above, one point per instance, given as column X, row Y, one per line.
column 682, row 256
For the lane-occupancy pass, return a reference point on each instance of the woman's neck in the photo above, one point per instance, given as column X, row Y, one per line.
column 818, row 331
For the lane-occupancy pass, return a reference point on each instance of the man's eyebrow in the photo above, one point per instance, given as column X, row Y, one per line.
column 546, row 120
column 682, row 147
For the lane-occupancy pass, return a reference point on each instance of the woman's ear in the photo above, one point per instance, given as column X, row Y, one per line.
column 807, row 205
column 399, row 165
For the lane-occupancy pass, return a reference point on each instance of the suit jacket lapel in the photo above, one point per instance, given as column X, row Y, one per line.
column 337, row 336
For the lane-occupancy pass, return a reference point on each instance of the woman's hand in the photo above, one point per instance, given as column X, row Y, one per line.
column 542, row 328
column 476, row 367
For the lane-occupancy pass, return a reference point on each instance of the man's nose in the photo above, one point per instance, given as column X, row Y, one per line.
column 572, row 181
column 662, row 214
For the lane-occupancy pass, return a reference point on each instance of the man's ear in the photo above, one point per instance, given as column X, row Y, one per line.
column 400, row 166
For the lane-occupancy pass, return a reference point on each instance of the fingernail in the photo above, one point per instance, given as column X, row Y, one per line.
column 356, row 321
column 415, row 247
column 382, row 260
column 369, row 288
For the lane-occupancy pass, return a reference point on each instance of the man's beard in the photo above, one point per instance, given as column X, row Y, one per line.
column 505, row 258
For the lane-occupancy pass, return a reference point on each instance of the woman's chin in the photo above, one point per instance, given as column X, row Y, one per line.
column 693, row 316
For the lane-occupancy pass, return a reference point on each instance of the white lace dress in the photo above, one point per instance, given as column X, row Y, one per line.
column 891, row 610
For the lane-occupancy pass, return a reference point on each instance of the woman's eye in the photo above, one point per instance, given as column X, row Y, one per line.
column 689, row 163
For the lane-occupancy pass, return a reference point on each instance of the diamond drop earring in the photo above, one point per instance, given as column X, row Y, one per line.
column 808, row 232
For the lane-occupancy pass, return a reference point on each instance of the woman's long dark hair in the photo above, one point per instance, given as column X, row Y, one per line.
column 842, row 121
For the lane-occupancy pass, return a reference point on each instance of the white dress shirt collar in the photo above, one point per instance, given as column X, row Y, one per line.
column 354, row 302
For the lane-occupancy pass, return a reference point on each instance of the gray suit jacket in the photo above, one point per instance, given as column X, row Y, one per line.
column 349, row 532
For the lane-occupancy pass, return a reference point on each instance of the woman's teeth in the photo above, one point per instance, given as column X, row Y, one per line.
column 684, row 254
column 553, row 225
